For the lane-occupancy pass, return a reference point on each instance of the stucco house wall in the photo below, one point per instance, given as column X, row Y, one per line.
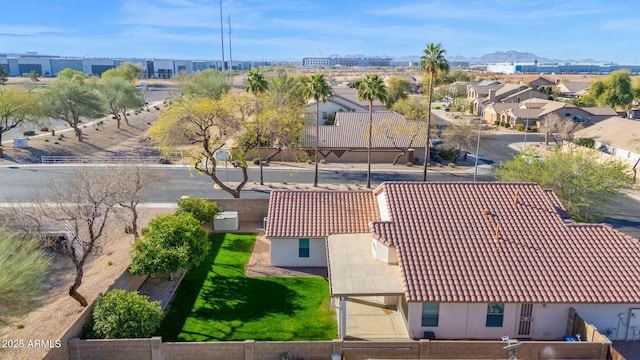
column 325, row 109
column 284, row 252
column 468, row 320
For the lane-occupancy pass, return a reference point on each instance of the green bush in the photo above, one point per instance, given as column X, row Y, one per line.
column 520, row 127
column 256, row 161
column 587, row 142
column 409, row 164
column 451, row 165
column 201, row 209
column 173, row 242
column 449, row 154
column 533, row 129
column 119, row 314
column 496, row 123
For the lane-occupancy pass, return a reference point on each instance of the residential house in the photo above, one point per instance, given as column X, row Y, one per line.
column 618, row 137
column 481, row 96
column 597, row 114
column 535, row 81
column 534, row 111
column 462, row 260
column 343, row 99
column 572, row 89
column 346, row 139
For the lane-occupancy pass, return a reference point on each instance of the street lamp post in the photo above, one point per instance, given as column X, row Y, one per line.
column 475, row 170
column 526, row 127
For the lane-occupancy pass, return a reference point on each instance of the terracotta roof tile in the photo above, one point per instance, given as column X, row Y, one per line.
column 480, row 242
column 320, row 213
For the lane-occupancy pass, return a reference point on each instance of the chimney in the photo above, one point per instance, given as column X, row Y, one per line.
column 492, row 95
column 516, row 198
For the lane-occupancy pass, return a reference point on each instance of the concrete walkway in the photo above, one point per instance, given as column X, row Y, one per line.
column 372, row 321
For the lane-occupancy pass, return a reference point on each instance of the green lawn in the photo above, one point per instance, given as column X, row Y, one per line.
column 216, row 302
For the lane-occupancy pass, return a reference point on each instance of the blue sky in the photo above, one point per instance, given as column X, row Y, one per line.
column 293, row 29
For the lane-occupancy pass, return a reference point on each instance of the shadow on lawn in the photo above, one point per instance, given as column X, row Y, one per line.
column 245, row 299
column 187, row 293
column 215, row 299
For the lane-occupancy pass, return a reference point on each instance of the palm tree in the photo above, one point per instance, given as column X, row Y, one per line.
column 432, row 60
column 319, row 89
column 257, row 84
column 371, row 88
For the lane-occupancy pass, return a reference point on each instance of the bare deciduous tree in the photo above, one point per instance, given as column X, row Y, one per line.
column 135, row 181
column 559, row 129
column 83, row 204
column 463, row 137
column 403, row 136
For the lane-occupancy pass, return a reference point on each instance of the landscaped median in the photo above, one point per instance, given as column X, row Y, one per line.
column 216, row 302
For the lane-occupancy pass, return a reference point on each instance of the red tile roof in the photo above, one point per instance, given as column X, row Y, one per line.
column 320, row 213
column 503, row 242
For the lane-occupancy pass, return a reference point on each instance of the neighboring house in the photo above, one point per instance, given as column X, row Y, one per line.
column 572, row 89
column 618, row 137
column 481, row 96
column 343, row 99
column 536, row 81
column 461, row 260
column 346, row 140
column 535, row 111
column 597, row 114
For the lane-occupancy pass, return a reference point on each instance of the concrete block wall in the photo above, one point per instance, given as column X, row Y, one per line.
column 308, row 350
column 229, row 350
column 125, row 281
column 115, row 349
column 360, row 350
column 248, row 209
column 143, row 349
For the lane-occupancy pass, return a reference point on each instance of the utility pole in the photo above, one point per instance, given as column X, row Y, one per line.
column 221, row 37
column 230, row 58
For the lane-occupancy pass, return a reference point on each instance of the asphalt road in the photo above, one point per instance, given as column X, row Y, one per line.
column 19, row 181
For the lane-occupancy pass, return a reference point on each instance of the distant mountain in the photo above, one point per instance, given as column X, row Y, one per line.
column 499, row 57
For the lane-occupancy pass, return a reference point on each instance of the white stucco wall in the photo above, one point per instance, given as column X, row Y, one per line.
column 384, row 253
column 329, row 107
column 468, row 320
column 381, row 198
column 284, row 252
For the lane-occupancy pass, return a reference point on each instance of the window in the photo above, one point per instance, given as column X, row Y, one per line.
column 430, row 312
column 324, row 115
column 495, row 314
column 303, row 248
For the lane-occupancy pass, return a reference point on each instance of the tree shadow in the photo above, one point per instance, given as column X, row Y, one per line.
column 187, row 293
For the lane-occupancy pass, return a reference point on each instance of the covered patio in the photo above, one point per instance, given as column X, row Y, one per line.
column 366, row 291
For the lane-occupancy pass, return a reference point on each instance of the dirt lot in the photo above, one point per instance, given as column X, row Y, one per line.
column 57, row 309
